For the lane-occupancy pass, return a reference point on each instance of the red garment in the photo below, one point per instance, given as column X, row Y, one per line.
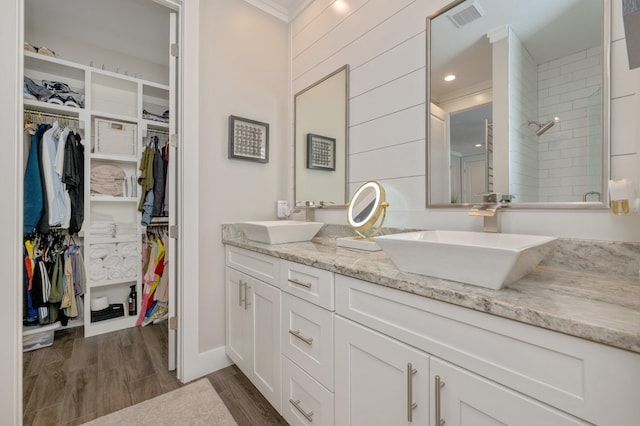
column 29, row 265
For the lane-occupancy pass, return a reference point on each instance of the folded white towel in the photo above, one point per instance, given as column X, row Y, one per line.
column 96, row 263
column 128, row 249
column 131, row 272
column 98, row 274
column 101, row 250
column 115, row 273
column 113, row 261
column 132, row 262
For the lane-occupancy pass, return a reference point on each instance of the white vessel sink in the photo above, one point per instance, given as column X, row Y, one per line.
column 478, row 258
column 280, row 231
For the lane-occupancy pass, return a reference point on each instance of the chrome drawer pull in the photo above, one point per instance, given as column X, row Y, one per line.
column 246, row 296
column 410, row 404
column 296, row 404
column 439, row 384
column 300, row 283
column 296, row 333
column 240, row 285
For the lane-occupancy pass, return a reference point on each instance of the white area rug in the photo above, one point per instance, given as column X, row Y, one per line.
column 194, row 404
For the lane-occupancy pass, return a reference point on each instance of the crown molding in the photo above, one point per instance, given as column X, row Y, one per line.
column 279, row 11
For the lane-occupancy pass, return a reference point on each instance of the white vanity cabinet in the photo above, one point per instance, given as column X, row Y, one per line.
column 379, row 380
column 307, row 336
column 253, row 319
column 357, row 353
column 495, row 371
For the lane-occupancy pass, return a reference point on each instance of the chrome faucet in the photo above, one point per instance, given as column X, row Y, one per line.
column 491, row 202
column 309, row 210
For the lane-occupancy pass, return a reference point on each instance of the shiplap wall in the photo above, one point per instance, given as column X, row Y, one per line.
column 384, row 44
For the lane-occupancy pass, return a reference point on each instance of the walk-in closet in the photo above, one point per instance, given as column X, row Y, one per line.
column 99, row 189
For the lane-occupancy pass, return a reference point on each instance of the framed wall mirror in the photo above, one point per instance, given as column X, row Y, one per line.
column 518, row 102
column 321, row 140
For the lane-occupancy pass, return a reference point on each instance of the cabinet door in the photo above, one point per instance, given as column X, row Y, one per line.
column 265, row 371
column 237, row 329
column 467, row 399
column 378, row 380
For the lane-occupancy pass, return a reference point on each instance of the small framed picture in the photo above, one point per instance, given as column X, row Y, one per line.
column 248, row 139
column 321, row 152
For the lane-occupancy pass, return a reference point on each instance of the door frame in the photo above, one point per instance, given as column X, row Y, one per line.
column 11, row 105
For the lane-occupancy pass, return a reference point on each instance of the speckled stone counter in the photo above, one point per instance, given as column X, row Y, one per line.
column 601, row 305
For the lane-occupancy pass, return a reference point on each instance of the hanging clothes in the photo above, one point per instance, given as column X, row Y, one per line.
column 56, row 207
column 158, row 182
column 50, row 281
column 53, row 180
column 153, row 309
column 33, row 201
column 146, row 174
column 165, row 157
column 73, row 178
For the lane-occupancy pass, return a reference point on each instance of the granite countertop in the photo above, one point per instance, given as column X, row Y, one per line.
column 593, row 306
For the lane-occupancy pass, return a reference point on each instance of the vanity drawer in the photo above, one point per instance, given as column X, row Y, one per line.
column 305, row 401
column 258, row 265
column 575, row 375
column 308, row 283
column 307, row 337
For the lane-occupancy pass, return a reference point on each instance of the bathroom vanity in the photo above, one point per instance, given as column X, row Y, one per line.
column 336, row 336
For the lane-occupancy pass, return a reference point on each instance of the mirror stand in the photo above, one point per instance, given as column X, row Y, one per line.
column 366, row 213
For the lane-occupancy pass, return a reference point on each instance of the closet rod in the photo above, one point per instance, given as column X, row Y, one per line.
column 51, row 114
column 158, row 224
column 160, row 132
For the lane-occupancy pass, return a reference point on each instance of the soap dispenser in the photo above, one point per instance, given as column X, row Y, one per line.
column 133, row 301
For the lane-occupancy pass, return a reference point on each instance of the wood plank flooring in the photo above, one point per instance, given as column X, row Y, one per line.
column 76, row 379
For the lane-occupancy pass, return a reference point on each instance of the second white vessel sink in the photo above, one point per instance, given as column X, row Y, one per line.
column 280, row 231
column 478, row 258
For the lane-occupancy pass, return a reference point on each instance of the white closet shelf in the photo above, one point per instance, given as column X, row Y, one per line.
column 107, row 240
column 107, row 199
column 151, row 124
column 55, row 61
column 73, row 323
column 106, row 326
column 113, row 282
column 114, row 158
column 52, row 108
column 112, row 116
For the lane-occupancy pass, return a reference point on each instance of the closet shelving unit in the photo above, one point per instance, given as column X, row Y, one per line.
column 116, row 98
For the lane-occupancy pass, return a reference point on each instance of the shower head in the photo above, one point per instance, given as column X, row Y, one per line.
column 544, row 127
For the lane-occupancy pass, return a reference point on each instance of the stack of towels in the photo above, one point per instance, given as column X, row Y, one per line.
column 108, row 180
column 114, row 261
column 113, row 229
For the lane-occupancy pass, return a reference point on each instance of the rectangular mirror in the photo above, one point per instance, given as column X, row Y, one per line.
column 320, row 122
column 518, row 96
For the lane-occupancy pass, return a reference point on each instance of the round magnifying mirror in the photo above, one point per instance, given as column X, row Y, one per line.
column 366, row 208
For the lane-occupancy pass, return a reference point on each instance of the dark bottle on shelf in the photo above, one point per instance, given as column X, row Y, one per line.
column 133, row 301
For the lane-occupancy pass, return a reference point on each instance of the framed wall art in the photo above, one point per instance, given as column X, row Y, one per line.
column 321, row 152
column 248, row 139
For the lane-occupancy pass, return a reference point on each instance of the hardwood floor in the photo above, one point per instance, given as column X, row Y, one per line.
column 76, row 379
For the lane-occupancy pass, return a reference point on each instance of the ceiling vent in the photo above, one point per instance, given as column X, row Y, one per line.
column 468, row 13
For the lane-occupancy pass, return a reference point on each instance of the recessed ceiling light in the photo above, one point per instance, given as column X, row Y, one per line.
column 449, row 77
column 478, row 145
column 341, row 6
